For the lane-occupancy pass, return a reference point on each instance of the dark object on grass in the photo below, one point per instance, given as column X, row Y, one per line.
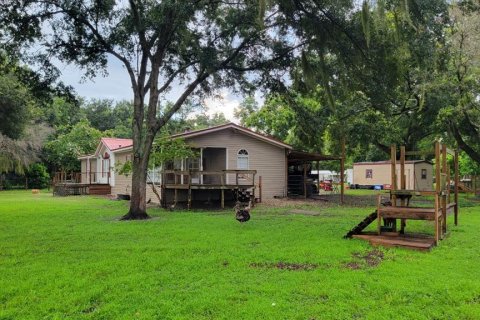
column 123, row 196
column 242, row 215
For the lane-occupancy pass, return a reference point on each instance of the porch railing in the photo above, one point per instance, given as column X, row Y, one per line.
column 81, row 177
column 197, row 178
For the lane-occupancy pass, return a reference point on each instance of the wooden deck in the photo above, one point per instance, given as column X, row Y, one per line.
column 77, row 189
column 209, row 186
column 409, row 241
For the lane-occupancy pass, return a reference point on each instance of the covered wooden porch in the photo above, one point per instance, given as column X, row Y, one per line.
column 215, row 181
column 81, row 183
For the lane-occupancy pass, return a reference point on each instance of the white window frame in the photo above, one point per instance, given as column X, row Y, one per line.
column 243, row 157
column 155, row 175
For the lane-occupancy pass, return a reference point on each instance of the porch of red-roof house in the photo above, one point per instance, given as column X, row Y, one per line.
column 81, row 183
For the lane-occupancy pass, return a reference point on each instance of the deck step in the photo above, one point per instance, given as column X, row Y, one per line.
column 408, row 242
column 362, row 225
column 100, row 189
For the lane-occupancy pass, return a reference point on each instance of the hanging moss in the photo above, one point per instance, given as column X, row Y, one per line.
column 326, row 83
column 406, row 14
column 366, row 22
column 308, row 72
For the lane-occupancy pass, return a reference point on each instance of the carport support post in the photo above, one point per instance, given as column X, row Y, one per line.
column 305, row 180
column 342, row 173
column 403, row 185
column 318, row 177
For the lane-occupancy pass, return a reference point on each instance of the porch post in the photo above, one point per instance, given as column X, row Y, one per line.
column 318, row 177
column 89, row 171
column 201, row 166
column 305, row 180
column 182, row 167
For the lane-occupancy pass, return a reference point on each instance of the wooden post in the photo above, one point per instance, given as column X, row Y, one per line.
column 189, row 189
column 200, row 178
column 318, row 177
column 393, row 173
column 260, row 189
column 449, row 177
column 437, row 167
column 253, row 191
column 223, row 198
column 342, row 173
column 305, row 180
column 438, row 183
column 444, row 194
column 286, row 173
column 379, row 216
column 175, row 198
column 393, row 168
column 165, row 201
column 436, row 217
column 457, row 179
column 89, row 171
column 403, row 185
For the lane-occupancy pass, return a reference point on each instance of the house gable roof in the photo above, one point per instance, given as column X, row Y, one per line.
column 122, row 145
column 243, row 130
column 112, row 144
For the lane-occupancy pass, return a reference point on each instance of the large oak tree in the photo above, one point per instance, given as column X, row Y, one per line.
column 192, row 46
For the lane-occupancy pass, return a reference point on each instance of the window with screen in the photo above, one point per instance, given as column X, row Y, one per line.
column 369, row 174
column 242, row 159
column 424, row 174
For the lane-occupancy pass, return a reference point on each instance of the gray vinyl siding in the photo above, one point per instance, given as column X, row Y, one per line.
column 123, row 183
column 267, row 159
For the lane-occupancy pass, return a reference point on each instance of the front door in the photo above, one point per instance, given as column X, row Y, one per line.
column 214, row 160
column 104, row 174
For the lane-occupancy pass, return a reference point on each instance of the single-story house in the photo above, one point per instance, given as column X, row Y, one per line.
column 418, row 174
column 229, row 155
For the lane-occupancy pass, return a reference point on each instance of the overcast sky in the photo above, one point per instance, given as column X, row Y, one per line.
column 117, row 86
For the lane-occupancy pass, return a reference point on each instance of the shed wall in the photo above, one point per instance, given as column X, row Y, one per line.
column 424, row 184
column 381, row 174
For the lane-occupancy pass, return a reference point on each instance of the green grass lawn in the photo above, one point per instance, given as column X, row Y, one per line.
column 69, row 258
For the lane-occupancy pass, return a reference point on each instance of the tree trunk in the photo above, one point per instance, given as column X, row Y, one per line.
column 142, row 146
column 138, row 205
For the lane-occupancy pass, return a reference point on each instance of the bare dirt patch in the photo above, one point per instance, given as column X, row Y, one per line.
column 369, row 259
column 285, row 266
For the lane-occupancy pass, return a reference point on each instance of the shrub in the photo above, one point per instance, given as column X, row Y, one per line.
column 37, row 176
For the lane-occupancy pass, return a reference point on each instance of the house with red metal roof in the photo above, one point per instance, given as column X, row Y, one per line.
column 230, row 158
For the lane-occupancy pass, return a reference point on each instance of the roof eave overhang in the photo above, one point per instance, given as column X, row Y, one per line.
column 250, row 133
